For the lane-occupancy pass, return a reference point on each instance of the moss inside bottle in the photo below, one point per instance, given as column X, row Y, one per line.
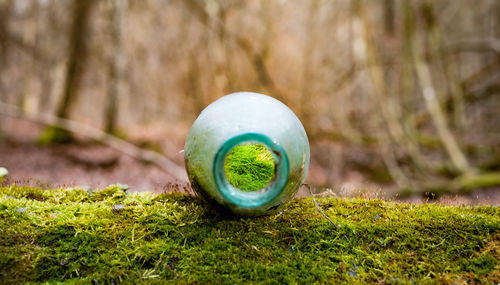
column 247, row 153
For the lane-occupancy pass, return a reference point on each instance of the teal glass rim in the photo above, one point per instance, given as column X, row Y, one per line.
column 254, row 198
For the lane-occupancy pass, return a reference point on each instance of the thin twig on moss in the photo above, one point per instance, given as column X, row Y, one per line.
column 317, row 205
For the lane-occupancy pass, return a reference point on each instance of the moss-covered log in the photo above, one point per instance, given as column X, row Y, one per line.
column 461, row 184
column 108, row 236
column 469, row 182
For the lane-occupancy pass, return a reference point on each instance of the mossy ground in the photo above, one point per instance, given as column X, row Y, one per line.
column 55, row 135
column 79, row 236
column 249, row 167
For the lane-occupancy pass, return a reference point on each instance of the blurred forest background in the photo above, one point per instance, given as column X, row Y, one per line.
column 399, row 95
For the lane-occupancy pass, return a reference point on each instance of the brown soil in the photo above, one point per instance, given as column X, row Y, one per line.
column 72, row 165
column 84, row 164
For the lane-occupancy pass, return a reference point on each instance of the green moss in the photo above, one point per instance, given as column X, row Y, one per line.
column 249, row 167
column 3, row 173
column 55, row 135
column 78, row 236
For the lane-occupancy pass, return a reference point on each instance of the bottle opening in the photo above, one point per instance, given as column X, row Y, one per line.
column 250, row 167
column 251, row 170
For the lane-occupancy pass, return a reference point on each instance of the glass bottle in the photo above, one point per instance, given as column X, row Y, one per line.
column 246, row 117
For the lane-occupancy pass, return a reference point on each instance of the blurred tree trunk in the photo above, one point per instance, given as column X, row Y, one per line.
column 28, row 98
column 308, row 78
column 213, row 43
column 450, row 69
column 389, row 16
column 193, row 86
column 5, row 10
column 4, row 17
column 75, row 67
column 49, row 80
column 116, row 65
column 194, row 75
column 407, row 87
column 433, row 106
column 342, row 84
column 391, row 133
column 77, row 56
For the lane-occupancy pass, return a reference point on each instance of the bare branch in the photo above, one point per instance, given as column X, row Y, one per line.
column 125, row 147
column 475, row 45
column 431, row 102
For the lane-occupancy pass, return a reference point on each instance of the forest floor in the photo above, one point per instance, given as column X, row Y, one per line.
column 111, row 236
column 97, row 166
column 85, row 163
column 63, row 228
